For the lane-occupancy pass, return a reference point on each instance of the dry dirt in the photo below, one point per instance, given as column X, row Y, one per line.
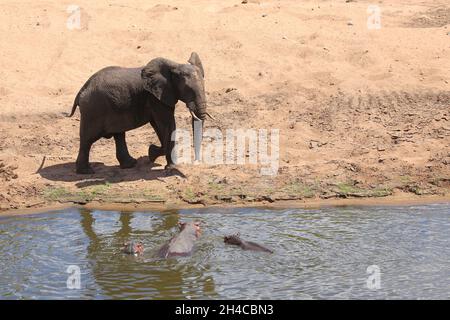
column 361, row 113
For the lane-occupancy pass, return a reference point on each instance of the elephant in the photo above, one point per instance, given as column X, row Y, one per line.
column 116, row 99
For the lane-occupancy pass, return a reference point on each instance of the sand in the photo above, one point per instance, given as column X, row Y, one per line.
column 362, row 113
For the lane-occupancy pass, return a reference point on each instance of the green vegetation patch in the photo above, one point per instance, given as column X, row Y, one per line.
column 86, row 194
column 299, row 190
column 348, row 190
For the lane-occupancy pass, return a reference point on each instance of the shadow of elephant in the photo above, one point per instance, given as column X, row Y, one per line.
column 103, row 173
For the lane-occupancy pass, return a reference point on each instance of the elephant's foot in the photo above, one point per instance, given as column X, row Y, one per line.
column 84, row 170
column 128, row 163
column 154, row 152
column 170, row 167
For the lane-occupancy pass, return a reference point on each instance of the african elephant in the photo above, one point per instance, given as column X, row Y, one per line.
column 115, row 100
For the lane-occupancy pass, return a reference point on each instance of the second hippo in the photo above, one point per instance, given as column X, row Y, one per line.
column 246, row 245
column 183, row 243
column 133, row 247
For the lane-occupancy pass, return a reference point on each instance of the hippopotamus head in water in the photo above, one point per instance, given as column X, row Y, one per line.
column 191, row 227
column 233, row 239
column 133, row 247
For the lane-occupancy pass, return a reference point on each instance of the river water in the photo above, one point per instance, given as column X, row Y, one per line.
column 331, row 253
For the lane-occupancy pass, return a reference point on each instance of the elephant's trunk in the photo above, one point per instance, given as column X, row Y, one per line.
column 201, row 111
column 197, row 110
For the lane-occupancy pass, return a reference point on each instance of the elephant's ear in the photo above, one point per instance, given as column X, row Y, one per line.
column 195, row 60
column 157, row 79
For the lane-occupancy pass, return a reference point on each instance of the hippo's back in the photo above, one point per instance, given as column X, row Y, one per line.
column 180, row 245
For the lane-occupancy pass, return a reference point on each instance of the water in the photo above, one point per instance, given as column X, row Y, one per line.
column 322, row 253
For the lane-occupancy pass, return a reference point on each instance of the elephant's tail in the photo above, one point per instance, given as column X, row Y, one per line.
column 75, row 103
column 77, row 98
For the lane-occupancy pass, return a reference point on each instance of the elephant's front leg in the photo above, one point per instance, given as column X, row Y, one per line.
column 154, row 151
column 169, row 144
column 122, row 155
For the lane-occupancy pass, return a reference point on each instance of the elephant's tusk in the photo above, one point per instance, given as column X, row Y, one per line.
column 212, row 118
column 194, row 116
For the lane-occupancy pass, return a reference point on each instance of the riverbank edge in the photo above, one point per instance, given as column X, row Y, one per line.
column 400, row 199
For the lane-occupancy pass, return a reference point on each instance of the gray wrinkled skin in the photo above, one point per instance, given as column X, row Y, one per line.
column 245, row 245
column 115, row 100
column 183, row 243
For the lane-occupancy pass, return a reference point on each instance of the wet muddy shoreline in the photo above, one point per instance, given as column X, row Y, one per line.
column 393, row 200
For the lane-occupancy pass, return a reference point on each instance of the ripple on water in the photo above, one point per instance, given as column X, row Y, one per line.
column 321, row 253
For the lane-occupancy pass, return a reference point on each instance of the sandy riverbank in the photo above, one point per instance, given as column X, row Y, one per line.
column 403, row 199
column 363, row 114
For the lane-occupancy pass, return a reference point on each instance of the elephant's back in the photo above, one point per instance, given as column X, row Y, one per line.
column 115, row 86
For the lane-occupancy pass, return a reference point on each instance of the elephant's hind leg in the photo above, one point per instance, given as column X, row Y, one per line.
column 122, row 155
column 82, row 162
column 88, row 136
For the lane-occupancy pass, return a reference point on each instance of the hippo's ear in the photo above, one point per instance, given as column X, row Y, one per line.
column 181, row 225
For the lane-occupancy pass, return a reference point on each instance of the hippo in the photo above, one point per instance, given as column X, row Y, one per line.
column 133, row 247
column 246, row 245
column 183, row 243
